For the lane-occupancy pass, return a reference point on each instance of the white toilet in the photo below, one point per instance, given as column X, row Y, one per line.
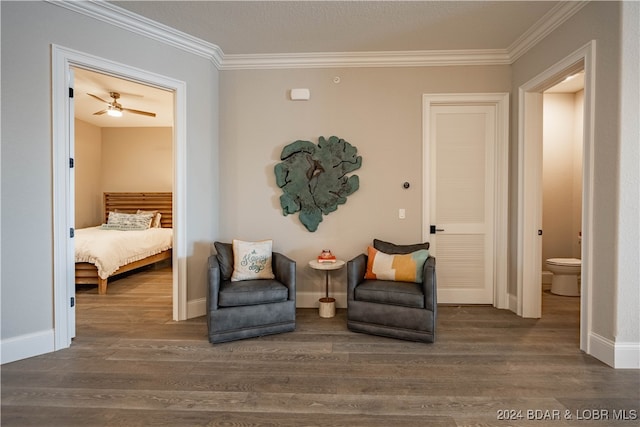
column 566, row 276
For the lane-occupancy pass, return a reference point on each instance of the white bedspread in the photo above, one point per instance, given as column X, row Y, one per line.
column 111, row 249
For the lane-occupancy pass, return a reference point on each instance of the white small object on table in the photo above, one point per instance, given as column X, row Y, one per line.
column 327, row 305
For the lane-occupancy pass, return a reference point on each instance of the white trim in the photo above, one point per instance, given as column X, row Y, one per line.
column 366, row 59
column 304, row 299
column 501, row 178
column 627, row 355
column 619, row 355
column 529, row 187
column 543, row 27
column 28, row 345
column 602, row 349
column 62, row 60
column 63, row 261
column 308, row 299
column 196, row 308
column 122, row 18
column 529, row 218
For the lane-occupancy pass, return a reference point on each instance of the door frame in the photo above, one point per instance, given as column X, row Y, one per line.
column 63, row 195
column 529, row 245
column 500, row 101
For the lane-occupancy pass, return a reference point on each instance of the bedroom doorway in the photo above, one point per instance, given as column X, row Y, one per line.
column 64, row 62
column 113, row 153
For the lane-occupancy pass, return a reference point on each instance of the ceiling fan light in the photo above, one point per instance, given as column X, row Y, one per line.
column 114, row 112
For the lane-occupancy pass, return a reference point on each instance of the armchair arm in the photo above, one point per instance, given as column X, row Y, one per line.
column 284, row 269
column 355, row 274
column 214, row 283
column 429, row 283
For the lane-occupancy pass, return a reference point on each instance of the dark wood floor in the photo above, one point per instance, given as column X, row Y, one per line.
column 131, row 365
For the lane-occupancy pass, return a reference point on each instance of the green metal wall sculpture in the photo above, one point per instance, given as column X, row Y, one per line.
column 314, row 178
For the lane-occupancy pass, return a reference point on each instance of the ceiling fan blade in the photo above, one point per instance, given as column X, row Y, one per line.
column 97, row 113
column 98, row 98
column 144, row 113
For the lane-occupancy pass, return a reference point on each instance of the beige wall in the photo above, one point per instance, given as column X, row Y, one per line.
column 137, row 159
column 118, row 159
column 88, row 155
column 379, row 111
column 562, row 172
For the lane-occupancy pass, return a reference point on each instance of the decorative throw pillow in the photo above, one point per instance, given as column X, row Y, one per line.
column 252, row 260
column 155, row 223
column 127, row 222
column 396, row 267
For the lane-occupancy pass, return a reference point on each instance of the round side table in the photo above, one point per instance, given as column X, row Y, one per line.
column 327, row 305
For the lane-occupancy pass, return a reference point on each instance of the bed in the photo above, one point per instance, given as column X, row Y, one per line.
column 103, row 253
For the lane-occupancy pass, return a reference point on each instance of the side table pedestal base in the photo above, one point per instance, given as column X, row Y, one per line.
column 327, row 307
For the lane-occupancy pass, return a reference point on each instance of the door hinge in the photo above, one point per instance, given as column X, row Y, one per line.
column 73, row 301
column 72, row 232
column 70, row 92
column 72, row 162
column 539, row 232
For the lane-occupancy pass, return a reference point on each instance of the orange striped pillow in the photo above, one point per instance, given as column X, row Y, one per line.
column 396, row 267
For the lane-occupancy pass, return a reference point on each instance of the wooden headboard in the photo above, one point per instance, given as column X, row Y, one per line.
column 131, row 202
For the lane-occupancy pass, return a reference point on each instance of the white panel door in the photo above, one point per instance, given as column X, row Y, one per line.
column 461, row 201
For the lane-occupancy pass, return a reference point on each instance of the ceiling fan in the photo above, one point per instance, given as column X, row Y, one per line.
column 115, row 109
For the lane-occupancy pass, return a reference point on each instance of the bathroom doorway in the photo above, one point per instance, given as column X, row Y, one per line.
column 562, row 141
column 529, row 218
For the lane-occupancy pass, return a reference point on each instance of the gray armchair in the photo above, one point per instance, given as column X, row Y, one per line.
column 393, row 309
column 249, row 308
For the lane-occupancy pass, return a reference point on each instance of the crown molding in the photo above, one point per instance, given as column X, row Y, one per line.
column 543, row 27
column 366, row 59
column 122, row 18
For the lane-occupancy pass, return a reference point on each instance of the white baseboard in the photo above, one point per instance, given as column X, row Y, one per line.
column 198, row 307
column 619, row 355
column 310, row 299
column 25, row 346
column 513, row 303
column 602, row 349
column 627, row 355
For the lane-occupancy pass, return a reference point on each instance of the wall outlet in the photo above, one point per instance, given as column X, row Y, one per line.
column 402, row 214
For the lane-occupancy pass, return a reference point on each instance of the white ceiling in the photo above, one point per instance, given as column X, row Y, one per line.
column 132, row 95
column 270, row 28
column 571, row 84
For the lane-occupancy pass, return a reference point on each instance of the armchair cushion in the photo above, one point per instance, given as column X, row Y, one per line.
column 389, row 292
column 251, row 292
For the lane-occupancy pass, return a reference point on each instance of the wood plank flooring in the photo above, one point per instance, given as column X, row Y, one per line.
column 131, row 365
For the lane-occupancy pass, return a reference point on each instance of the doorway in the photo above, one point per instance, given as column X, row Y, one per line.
column 529, row 233
column 63, row 62
column 563, row 117
column 123, row 143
